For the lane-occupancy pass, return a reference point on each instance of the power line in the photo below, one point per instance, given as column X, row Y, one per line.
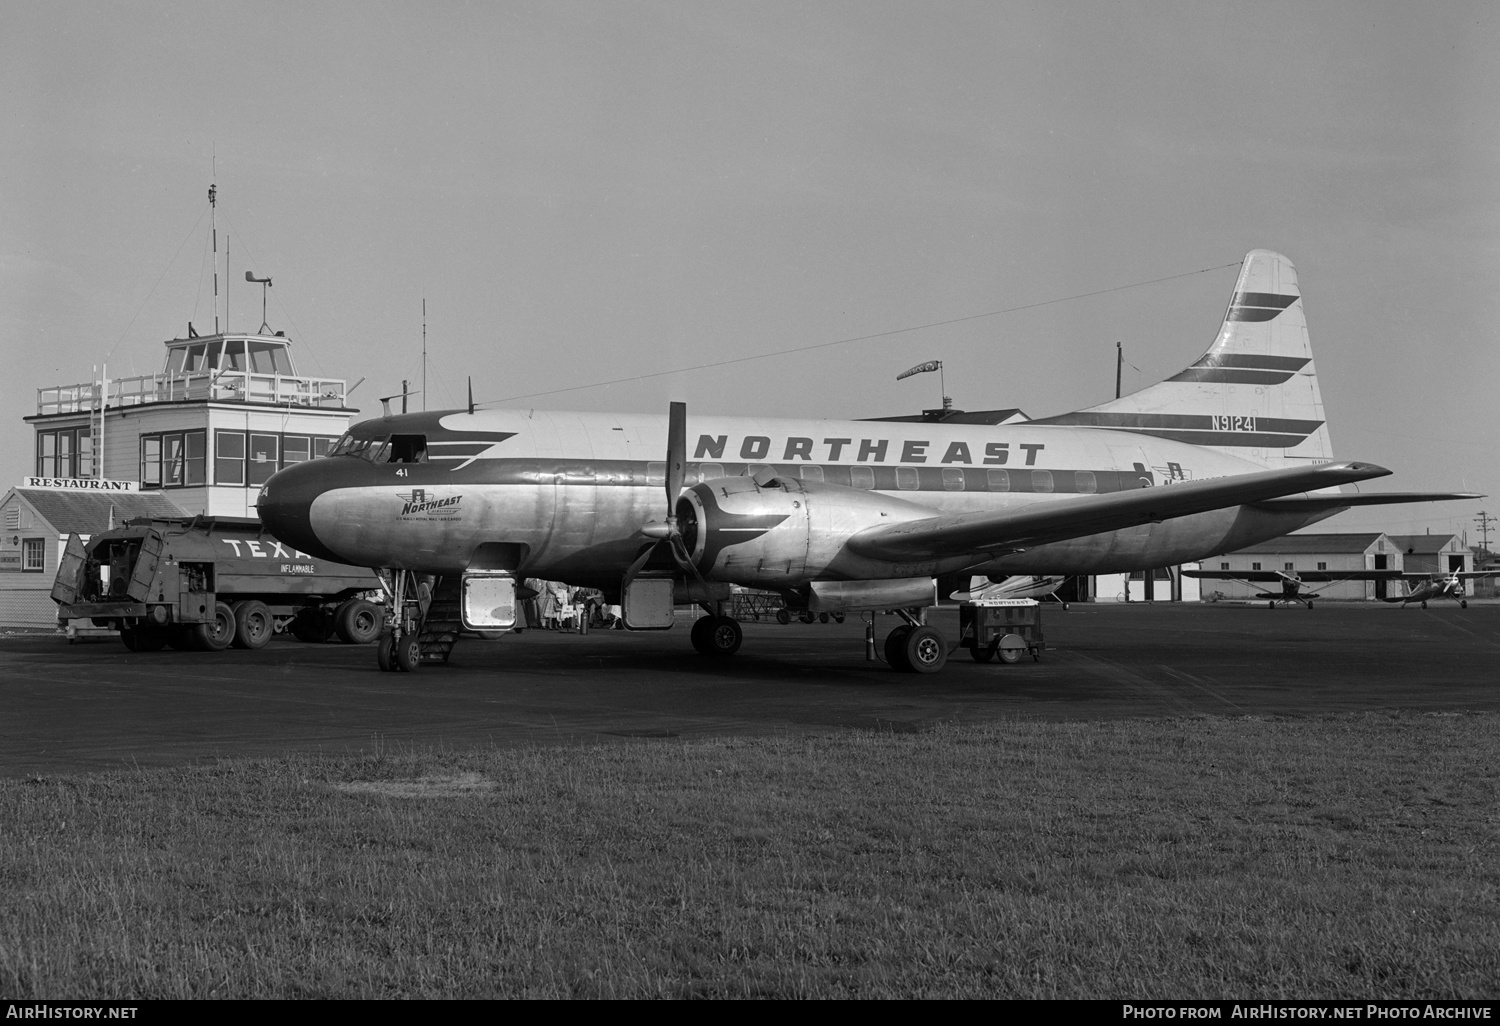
column 858, row 338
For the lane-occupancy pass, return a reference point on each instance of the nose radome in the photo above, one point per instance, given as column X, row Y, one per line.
column 285, row 501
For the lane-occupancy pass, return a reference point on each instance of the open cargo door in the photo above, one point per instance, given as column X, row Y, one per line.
column 69, row 571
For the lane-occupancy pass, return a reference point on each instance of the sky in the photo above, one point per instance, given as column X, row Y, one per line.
column 610, row 206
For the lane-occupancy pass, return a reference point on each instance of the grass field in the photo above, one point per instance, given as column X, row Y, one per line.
column 1207, row 857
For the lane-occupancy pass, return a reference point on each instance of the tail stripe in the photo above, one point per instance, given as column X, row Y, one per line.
column 1258, row 306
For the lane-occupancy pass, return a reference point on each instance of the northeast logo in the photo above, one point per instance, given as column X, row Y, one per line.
column 417, row 503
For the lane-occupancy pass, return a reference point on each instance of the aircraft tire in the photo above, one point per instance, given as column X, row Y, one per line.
column 1309, row 604
column 357, row 622
column 217, row 633
column 926, row 650
column 895, row 648
column 385, row 652
column 408, row 653
column 783, row 616
column 982, row 654
column 718, row 636
column 1424, row 605
column 253, row 624
column 1463, row 603
column 822, row 617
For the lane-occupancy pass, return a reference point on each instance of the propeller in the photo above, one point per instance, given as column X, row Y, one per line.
column 668, row 531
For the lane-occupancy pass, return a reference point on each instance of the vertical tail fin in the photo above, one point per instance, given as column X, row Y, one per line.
column 1254, row 394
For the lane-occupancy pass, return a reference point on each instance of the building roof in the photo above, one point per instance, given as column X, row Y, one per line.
column 1423, row 544
column 1312, row 543
column 91, row 512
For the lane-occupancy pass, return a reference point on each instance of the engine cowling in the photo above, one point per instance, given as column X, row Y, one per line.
column 784, row 532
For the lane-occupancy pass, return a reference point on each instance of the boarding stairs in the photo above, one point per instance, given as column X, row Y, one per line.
column 442, row 622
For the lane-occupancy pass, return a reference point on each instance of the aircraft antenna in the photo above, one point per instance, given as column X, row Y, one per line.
column 424, row 354
column 471, row 393
column 1119, row 365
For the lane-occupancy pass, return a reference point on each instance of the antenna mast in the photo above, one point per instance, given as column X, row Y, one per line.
column 424, row 354
column 213, row 206
column 1119, row 365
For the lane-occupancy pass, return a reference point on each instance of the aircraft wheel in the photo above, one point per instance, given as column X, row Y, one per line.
column 1463, row 603
column 1424, row 605
column 1065, row 607
column 1271, row 604
column 217, row 633
column 385, row 652
column 982, row 654
column 253, row 624
column 357, row 622
column 783, row 616
column 718, row 636
column 926, row 651
column 822, row 617
column 408, row 652
column 1309, row 603
column 807, row 616
column 895, row 648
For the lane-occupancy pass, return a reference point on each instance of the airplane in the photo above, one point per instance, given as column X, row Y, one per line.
column 1037, row 586
column 1291, row 581
column 838, row 516
column 1422, row 587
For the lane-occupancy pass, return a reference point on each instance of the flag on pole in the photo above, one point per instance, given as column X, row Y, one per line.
column 921, row 368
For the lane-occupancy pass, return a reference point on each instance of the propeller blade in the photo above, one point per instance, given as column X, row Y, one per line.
column 676, row 456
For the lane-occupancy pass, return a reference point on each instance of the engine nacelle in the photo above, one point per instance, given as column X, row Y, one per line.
column 785, row 532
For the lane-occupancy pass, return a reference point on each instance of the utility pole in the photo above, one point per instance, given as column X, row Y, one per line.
column 1484, row 520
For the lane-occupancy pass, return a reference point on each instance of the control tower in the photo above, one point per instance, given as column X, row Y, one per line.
column 225, row 413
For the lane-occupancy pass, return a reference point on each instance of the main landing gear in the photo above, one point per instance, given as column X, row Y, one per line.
column 717, row 636
column 400, row 646
column 914, row 646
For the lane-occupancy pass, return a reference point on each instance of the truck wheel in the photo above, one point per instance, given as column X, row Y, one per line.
column 253, row 625
column 150, row 638
column 131, row 638
column 357, row 622
column 408, row 652
column 217, row 633
column 982, row 653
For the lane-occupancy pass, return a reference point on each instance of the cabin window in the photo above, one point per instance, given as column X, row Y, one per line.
column 862, row 477
column 907, row 479
column 1086, row 482
column 265, row 454
column 1223, row 566
column 1041, row 480
column 953, row 479
column 1254, row 566
column 710, row 471
column 811, row 473
column 33, row 555
column 1322, row 566
column 408, row 449
column 1286, row 566
column 229, row 457
column 999, row 480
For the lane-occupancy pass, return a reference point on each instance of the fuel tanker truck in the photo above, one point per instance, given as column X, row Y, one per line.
column 209, row 583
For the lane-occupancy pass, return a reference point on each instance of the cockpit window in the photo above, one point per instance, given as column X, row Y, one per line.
column 408, row 449
column 373, row 450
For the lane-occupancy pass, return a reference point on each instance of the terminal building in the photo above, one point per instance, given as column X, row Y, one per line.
column 224, row 414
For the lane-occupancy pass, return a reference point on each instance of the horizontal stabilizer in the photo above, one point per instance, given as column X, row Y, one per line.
column 993, row 533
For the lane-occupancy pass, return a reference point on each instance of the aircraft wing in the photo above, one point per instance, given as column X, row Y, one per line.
column 1344, row 500
column 1248, row 576
column 992, row 533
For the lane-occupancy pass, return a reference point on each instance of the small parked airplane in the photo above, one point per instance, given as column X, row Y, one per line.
column 1291, row 581
column 1423, row 587
column 837, row 516
column 1019, row 586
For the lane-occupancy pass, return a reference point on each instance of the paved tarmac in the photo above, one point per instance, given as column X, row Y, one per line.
column 91, row 706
